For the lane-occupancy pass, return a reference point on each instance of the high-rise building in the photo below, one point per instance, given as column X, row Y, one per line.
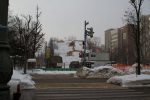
column 127, row 48
column 120, row 44
column 108, row 39
column 111, row 42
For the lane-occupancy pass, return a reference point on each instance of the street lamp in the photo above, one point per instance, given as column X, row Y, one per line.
column 137, row 6
column 5, row 62
column 87, row 32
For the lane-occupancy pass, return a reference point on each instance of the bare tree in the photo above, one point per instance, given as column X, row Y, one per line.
column 37, row 33
column 27, row 34
column 93, row 43
column 51, row 46
column 137, row 8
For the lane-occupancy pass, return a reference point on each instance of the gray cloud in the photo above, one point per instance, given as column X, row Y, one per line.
column 63, row 18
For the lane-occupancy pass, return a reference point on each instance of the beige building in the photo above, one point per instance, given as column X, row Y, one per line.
column 108, row 40
column 114, row 40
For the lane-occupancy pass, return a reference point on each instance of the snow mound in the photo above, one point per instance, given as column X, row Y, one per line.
column 99, row 72
column 25, row 81
column 131, row 80
column 146, row 71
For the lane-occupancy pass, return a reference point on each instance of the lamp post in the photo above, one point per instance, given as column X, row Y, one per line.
column 5, row 62
column 89, row 32
column 137, row 6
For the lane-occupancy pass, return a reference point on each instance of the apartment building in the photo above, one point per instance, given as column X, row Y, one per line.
column 120, row 44
column 127, row 48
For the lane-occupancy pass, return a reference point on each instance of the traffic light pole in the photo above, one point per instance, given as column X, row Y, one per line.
column 85, row 38
column 89, row 32
column 5, row 64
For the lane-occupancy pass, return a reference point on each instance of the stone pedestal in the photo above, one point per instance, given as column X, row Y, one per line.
column 4, row 92
column 5, row 62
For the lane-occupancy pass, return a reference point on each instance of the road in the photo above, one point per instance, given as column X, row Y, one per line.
column 67, row 87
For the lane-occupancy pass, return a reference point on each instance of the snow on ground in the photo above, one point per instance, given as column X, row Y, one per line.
column 146, row 71
column 99, row 72
column 40, row 71
column 25, row 81
column 131, row 80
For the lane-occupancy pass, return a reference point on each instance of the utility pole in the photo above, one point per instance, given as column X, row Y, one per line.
column 5, row 62
column 89, row 32
column 84, row 43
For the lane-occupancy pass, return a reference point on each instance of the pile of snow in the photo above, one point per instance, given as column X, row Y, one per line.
column 25, row 81
column 40, row 71
column 99, row 72
column 131, row 80
column 146, row 71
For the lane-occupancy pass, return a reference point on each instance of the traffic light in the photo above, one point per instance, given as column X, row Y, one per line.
column 83, row 42
column 81, row 54
column 90, row 32
column 88, row 64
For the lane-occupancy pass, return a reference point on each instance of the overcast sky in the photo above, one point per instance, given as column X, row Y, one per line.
column 64, row 18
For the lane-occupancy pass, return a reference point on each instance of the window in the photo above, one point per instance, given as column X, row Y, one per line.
column 124, row 35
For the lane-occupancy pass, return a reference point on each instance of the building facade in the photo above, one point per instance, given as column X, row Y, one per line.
column 120, row 44
column 127, row 48
column 145, row 37
column 108, row 40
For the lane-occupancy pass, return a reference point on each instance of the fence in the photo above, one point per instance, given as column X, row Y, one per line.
column 125, row 66
column 59, row 69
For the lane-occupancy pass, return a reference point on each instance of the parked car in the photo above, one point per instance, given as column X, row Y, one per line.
column 75, row 64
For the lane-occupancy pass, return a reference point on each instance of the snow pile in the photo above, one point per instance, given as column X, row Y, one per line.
column 25, row 81
column 40, row 71
column 99, row 72
column 146, row 71
column 131, row 80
